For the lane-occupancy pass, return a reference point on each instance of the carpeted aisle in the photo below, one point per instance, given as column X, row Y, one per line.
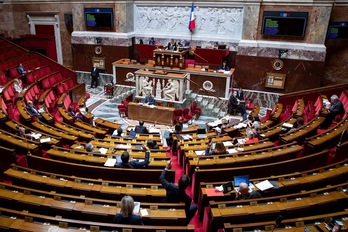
column 179, row 171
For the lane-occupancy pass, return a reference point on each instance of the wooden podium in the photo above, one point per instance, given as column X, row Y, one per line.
column 167, row 58
column 152, row 114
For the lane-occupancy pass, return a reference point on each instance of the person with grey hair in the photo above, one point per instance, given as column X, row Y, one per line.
column 243, row 192
column 89, row 147
column 335, row 109
column 126, row 215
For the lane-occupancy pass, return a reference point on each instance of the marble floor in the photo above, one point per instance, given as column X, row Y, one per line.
column 103, row 107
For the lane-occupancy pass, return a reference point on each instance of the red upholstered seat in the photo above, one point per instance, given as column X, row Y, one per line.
column 186, row 115
column 178, row 115
column 195, row 111
column 123, row 108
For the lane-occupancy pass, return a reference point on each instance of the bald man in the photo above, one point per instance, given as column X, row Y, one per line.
column 244, row 194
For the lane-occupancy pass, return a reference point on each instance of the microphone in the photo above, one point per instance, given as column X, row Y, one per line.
column 277, row 222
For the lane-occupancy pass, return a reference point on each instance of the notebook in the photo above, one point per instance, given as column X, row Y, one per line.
column 239, row 179
column 201, row 133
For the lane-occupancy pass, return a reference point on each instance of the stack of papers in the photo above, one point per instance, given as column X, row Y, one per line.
column 136, row 209
column 231, row 151
column 240, row 125
column 154, row 130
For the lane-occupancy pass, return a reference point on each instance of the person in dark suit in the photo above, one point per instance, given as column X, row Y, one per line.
column 152, row 41
column 141, row 129
column 133, row 163
column 149, row 99
column 235, row 104
column 240, row 94
column 75, row 116
column 90, row 148
column 224, row 66
column 32, row 110
column 176, row 194
column 171, row 45
column 95, row 77
column 336, row 108
column 20, row 69
column 244, row 194
column 126, row 215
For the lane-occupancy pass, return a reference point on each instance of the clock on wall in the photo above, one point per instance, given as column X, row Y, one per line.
column 277, row 64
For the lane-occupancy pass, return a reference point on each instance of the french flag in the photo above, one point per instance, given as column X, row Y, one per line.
column 192, row 23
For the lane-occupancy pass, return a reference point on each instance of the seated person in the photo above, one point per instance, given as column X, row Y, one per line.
column 22, row 133
column 335, row 109
column 126, row 215
column 133, row 163
column 244, row 194
column 141, row 129
column 152, row 144
column 256, row 125
column 299, row 122
column 224, row 66
column 149, row 99
column 250, row 137
column 75, row 116
column 178, row 128
column 89, row 148
column 235, row 104
column 176, row 194
column 32, row 110
column 219, row 149
column 20, row 69
column 117, row 133
column 17, row 84
column 152, row 41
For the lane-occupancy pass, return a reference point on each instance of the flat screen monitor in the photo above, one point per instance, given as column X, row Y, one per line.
column 280, row 23
column 99, row 18
column 337, row 30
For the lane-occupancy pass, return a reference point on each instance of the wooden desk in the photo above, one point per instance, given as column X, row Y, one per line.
column 157, row 114
column 168, row 58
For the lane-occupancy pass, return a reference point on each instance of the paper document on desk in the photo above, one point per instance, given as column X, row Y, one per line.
column 110, row 162
column 231, row 151
column 103, row 150
column 122, row 146
column 200, row 152
column 45, row 140
column 264, row 185
column 154, row 130
column 143, row 212
column 36, row 136
column 287, row 125
column 228, row 144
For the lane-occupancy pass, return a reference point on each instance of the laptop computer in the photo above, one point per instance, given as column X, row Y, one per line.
column 239, row 179
column 201, row 133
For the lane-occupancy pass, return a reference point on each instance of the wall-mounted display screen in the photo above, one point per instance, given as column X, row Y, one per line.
column 337, row 30
column 281, row 23
column 99, row 18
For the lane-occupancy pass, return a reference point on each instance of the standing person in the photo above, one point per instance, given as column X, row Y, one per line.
column 126, row 215
column 95, row 76
column 176, row 194
column 171, row 45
